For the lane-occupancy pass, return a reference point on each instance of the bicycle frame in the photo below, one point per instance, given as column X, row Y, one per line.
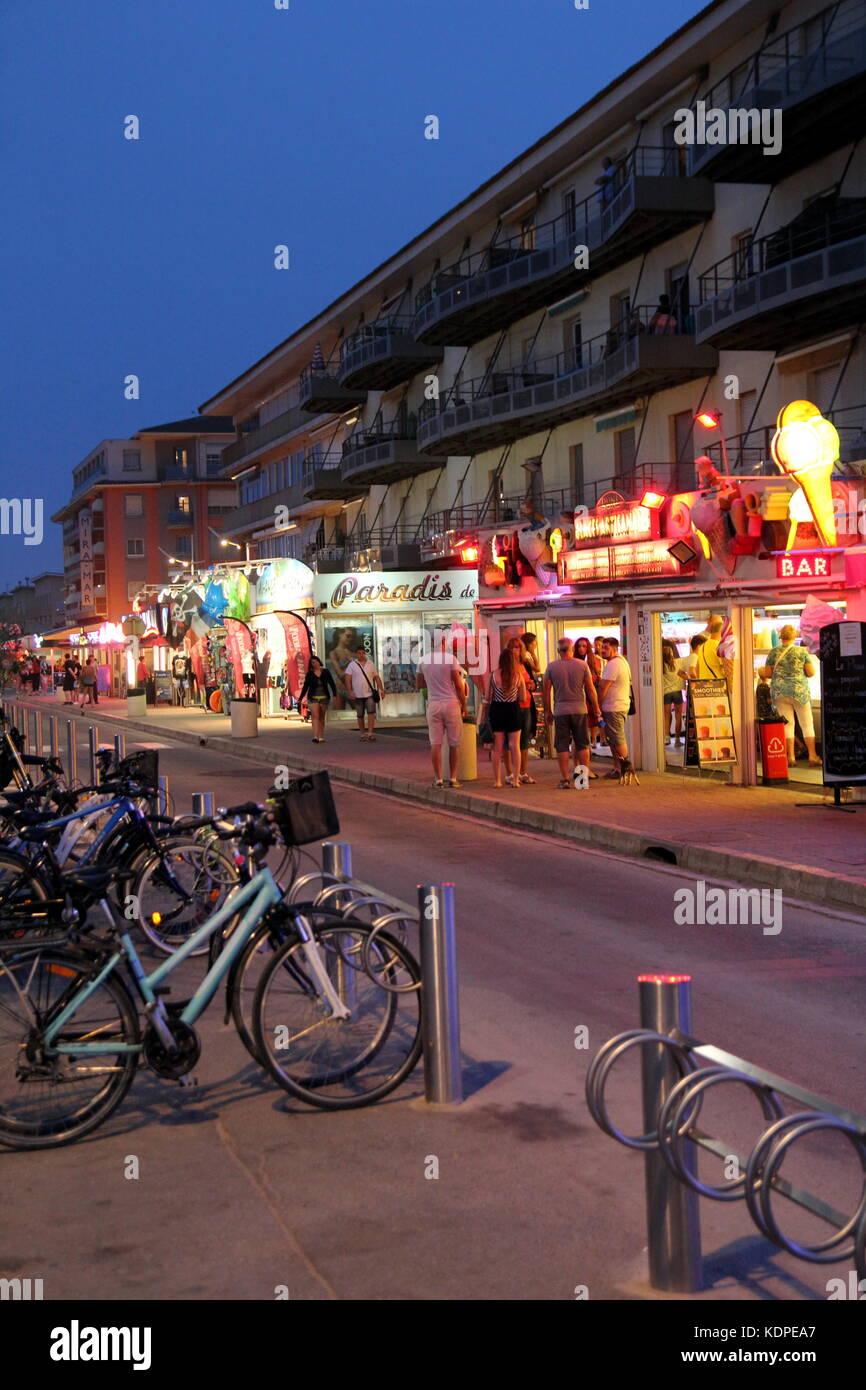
column 72, row 832
column 261, row 893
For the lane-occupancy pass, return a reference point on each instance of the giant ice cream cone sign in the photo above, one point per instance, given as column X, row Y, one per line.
column 806, row 446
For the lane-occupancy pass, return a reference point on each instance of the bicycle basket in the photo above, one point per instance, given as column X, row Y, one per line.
column 304, row 810
column 141, row 767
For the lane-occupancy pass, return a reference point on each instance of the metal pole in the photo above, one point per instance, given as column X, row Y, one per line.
column 53, row 743
column 202, row 804
column 673, row 1219
column 119, row 747
column 440, row 1016
column 40, row 733
column 337, row 861
column 93, row 744
column 162, row 797
column 30, row 745
column 71, row 754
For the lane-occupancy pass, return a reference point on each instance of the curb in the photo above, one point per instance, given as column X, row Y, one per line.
column 820, row 886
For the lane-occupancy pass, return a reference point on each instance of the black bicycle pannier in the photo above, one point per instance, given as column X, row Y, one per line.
column 304, row 810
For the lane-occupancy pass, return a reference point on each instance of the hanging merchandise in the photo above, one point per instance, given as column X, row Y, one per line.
column 236, row 588
column 298, row 651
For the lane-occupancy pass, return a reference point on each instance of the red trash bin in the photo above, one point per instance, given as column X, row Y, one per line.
column 774, row 752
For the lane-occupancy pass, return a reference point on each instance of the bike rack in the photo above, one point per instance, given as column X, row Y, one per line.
column 677, row 1073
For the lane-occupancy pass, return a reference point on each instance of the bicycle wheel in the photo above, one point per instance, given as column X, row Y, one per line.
column 47, row 1097
column 327, row 1062
column 21, row 887
column 178, row 888
column 247, row 971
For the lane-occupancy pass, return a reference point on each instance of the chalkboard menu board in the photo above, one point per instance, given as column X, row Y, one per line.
column 709, row 727
column 843, row 702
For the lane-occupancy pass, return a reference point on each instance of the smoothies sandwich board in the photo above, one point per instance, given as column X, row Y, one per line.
column 709, row 727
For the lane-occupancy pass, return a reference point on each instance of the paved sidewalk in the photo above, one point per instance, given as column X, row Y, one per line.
column 751, row 835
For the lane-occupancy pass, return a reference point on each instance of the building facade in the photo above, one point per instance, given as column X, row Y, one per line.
column 36, row 605
column 142, row 509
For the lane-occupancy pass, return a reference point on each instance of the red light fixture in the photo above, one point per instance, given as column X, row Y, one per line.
column 654, row 501
column 469, row 555
column 709, row 419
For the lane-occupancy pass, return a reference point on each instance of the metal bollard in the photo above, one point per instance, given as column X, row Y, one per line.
column 202, row 804
column 71, row 754
column 53, row 744
column 337, row 861
column 440, row 1016
column 30, row 736
column 119, row 747
column 162, row 797
column 40, row 733
column 673, row 1219
column 93, row 744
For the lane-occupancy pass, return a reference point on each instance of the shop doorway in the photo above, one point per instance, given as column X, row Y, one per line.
column 774, row 628
column 685, row 657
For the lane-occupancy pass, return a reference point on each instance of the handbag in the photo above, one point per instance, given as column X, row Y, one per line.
column 304, row 810
column 376, row 696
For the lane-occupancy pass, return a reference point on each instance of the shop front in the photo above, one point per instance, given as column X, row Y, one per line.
column 707, row 591
column 284, row 602
column 393, row 616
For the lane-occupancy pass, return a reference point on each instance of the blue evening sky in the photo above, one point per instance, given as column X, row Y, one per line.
column 258, row 126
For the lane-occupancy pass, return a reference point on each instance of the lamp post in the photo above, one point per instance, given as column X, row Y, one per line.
column 224, row 541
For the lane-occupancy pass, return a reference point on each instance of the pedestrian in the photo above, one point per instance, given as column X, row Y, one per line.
column 36, row 675
column 614, row 694
column 87, row 684
column 706, row 664
column 569, row 696
column 69, row 679
column 439, row 674
column 606, row 181
column 673, row 680
column 506, row 690
column 585, row 651
column 366, row 690
column 530, row 647
column 318, row 690
column 788, row 668
column 663, row 321
column 530, row 717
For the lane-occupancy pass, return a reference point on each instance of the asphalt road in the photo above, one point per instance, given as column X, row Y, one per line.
column 242, row 1193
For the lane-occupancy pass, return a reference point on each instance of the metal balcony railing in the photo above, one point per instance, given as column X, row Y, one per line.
column 749, row 453
column 288, row 423
column 404, row 428
column 584, row 223
column 644, row 319
column 810, row 54
column 375, row 333
column 840, row 222
column 178, row 517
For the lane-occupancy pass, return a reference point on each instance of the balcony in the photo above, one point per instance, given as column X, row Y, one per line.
column 814, row 75
column 394, row 549
column 323, row 479
column 281, row 427
column 179, row 520
column 646, row 201
column 321, row 393
column 803, row 281
column 261, row 513
column 749, row 453
column 382, row 355
column 605, row 372
column 386, row 454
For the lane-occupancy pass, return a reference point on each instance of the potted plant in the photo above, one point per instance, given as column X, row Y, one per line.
column 245, row 716
column 136, row 700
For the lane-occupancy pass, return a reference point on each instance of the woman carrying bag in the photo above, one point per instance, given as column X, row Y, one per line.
column 318, row 690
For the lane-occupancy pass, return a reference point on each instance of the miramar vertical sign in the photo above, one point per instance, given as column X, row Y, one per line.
column 85, row 546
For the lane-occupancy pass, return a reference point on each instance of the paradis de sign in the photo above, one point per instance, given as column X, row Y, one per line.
column 429, row 590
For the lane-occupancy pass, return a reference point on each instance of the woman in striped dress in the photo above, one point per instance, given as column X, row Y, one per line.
column 506, row 693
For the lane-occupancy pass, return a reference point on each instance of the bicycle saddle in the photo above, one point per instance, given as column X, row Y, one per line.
column 92, row 880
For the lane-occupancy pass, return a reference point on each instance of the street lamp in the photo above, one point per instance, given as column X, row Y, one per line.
column 712, row 420
column 224, row 541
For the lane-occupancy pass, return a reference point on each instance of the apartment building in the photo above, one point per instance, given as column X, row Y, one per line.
column 36, row 605
column 691, row 241
column 488, row 342
column 141, row 509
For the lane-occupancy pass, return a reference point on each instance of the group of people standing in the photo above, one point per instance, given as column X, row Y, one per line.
column 583, row 690
column 79, row 679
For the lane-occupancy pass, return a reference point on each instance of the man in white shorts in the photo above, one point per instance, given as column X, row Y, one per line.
column 440, row 675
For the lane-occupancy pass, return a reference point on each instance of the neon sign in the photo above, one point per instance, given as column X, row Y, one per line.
column 631, row 521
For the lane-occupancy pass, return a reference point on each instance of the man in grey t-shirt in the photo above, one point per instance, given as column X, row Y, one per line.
column 569, row 681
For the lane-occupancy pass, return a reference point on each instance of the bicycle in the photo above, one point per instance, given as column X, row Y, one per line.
column 330, row 1014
